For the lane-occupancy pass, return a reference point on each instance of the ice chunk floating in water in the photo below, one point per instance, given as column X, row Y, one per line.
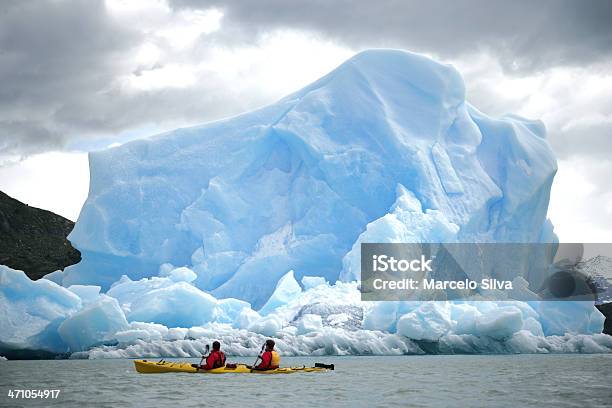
column 30, row 312
column 332, row 320
column 386, row 139
column 95, row 324
column 178, row 319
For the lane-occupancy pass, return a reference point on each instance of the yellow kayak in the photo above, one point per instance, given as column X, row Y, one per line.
column 152, row 367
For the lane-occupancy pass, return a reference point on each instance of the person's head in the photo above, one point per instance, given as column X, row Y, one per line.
column 269, row 344
column 216, row 345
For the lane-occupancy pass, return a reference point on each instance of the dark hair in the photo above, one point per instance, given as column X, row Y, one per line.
column 270, row 343
column 216, row 345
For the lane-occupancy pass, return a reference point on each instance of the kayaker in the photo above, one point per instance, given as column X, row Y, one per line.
column 215, row 359
column 269, row 359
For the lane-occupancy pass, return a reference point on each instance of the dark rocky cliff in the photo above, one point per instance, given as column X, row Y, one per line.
column 606, row 310
column 34, row 240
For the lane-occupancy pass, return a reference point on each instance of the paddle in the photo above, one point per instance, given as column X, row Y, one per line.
column 197, row 367
column 258, row 356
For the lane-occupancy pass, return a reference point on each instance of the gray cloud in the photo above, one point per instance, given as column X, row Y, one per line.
column 587, row 139
column 52, row 55
column 578, row 117
column 26, row 137
column 59, row 67
column 525, row 35
column 60, row 60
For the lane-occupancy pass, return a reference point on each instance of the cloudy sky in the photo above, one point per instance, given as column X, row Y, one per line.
column 77, row 76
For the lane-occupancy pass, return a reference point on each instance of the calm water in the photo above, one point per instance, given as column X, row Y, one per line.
column 416, row 381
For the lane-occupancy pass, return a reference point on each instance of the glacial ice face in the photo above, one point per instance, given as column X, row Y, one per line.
column 379, row 147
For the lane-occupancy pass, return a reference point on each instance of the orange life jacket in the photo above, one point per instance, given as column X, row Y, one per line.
column 275, row 363
column 269, row 361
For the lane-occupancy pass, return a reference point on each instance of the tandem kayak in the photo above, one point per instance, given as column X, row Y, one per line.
column 152, row 367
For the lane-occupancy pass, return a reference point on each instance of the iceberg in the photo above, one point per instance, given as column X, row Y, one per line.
column 406, row 222
column 87, row 293
column 324, row 319
column 286, row 289
column 269, row 326
column 309, row 282
column 304, row 327
column 148, row 332
column 309, row 323
column 384, row 147
column 250, row 227
column 228, row 310
column 180, row 304
column 430, row 321
column 95, row 324
column 246, row 318
column 182, row 274
column 31, row 312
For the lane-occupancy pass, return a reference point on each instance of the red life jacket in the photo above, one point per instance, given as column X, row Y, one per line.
column 215, row 359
